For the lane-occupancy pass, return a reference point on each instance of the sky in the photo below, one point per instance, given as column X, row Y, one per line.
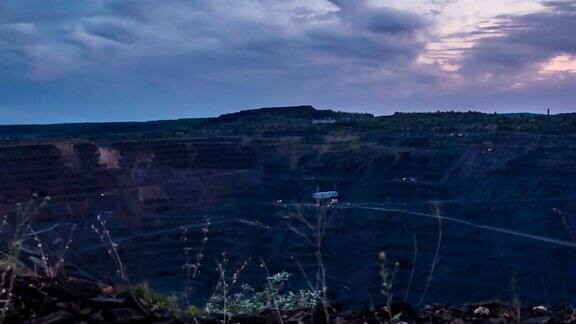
column 130, row 60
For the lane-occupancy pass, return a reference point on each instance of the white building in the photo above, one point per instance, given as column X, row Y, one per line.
column 327, row 120
column 326, row 197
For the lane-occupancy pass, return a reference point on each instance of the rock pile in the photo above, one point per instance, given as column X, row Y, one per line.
column 486, row 312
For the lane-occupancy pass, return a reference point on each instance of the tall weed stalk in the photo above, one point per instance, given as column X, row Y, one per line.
column 25, row 215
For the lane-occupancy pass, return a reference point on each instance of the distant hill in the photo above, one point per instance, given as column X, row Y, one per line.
column 298, row 119
column 272, row 118
column 305, row 111
column 96, row 129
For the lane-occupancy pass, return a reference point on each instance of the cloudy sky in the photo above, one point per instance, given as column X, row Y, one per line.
column 113, row 60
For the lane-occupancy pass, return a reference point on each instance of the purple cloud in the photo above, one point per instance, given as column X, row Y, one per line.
column 148, row 59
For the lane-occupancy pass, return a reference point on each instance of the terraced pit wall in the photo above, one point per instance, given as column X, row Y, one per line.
column 149, row 189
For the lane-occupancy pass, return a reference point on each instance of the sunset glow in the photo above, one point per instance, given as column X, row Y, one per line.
column 564, row 63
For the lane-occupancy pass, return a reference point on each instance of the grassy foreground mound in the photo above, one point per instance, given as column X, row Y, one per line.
column 72, row 299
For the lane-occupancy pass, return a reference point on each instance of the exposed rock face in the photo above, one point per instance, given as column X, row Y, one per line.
column 126, row 176
column 148, row 189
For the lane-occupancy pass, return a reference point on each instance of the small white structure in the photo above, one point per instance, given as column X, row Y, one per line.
column 326, row 197
column 327, row 120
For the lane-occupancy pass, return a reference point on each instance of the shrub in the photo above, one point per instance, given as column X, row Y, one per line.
column 155, row 300
column 194, row 311
column 249, row 301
